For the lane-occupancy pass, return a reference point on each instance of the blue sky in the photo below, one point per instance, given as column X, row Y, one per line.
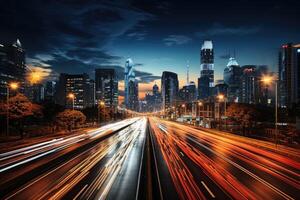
column 78, row 36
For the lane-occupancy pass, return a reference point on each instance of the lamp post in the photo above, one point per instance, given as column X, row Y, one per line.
column 13, row 86
column 72, row 97
column 221, row 97
column 267, row 80
column 100, row 105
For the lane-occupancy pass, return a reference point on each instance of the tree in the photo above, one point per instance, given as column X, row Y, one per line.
column 70, row 118
column 20, row 108
column 244, row 114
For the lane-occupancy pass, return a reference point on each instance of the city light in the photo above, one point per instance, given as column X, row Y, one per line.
column 183, row 105
column 34, row 77
column 102, row 103
column 13, row 85
column 71, row 96
column 200, row 103
column 221, row 97
column 267, row 79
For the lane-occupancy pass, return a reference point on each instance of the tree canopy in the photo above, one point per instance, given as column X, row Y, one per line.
column 70, row 118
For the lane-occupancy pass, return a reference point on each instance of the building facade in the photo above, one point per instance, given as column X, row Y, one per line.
column 207, row 61
column 80, row 86
column 169, row 89
column 106, row 85
column 232, row 76
column 12, row 67
column 288, row 75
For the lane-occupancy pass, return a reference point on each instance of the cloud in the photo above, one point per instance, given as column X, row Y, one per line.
column 145, row 77
column 218, row 29
column 137, row 35
column 176, row 40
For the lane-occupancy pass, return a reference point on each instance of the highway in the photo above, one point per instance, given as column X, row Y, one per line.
column 84, row 166
column 152, row 158
column 211, row 165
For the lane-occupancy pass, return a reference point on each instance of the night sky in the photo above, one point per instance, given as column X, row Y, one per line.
column 81, row 35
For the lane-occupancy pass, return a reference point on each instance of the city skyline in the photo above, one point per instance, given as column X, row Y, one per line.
column 78, row 44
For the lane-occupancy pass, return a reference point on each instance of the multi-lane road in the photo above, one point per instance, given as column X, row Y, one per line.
column 142, row 158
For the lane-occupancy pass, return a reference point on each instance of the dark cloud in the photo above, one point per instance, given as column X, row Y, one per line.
column 220, row 30
column 145, row 77
column 176, row 40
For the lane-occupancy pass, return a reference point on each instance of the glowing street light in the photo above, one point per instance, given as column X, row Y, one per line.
column 72, row 96
column 12, row 86
column 34, row 77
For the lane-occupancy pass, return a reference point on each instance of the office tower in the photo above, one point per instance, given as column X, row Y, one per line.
column 35, row 92
column 12, row 66
column 50, row 90
column 252, row 89
column 106, row 84
column 188, row 93
column 169, row 89
column 288, row 75
column 221, row 88
column 133, row 95
column 203, row 88
column 131, row 86
column 232, row 76
column 80, row 86
column 207, row 61
column 157, row 98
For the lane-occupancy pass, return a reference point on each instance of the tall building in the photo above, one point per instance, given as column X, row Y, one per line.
column 169, row 89
column 12, row 66
column 131, row 86
column 221, row 88
column 106, row 85
column 232, row 76
column 203, row 88
column 50, row 90
column 288, row 75
column 207, row 61
column 35, row 92
column 133, row 94
column 78, row 84
column 188, row 93
column 252, row 89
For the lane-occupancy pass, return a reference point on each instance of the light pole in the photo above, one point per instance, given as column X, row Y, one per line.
column 100, row 105
column 221, row 97
column 267, row 80
column 12, row 86
column 72, row 97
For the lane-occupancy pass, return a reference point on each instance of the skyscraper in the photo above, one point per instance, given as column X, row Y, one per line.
column 131, row 86
column 203, row 87
column 78, row 84
column 188, row 93
column 207, row 61
column 232, row 76
column 288, row 75
column 12, row 66
column 169, row 89
column 106, row 85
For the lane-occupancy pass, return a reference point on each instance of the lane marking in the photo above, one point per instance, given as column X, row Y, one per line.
column 209, row 191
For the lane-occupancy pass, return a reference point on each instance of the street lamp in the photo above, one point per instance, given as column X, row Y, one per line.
column 183, row 106
column 12, row 86
column 72, row 96
column 267, row 80
column 222, row 97
column 100, row 105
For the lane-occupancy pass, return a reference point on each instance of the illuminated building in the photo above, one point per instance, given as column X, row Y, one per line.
column 232, row 75
column 288, row 75
column 106, row 85
column 207, row 61
column 12, row 66
column 131, row 86
column 80, row 86
column 169, row 89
